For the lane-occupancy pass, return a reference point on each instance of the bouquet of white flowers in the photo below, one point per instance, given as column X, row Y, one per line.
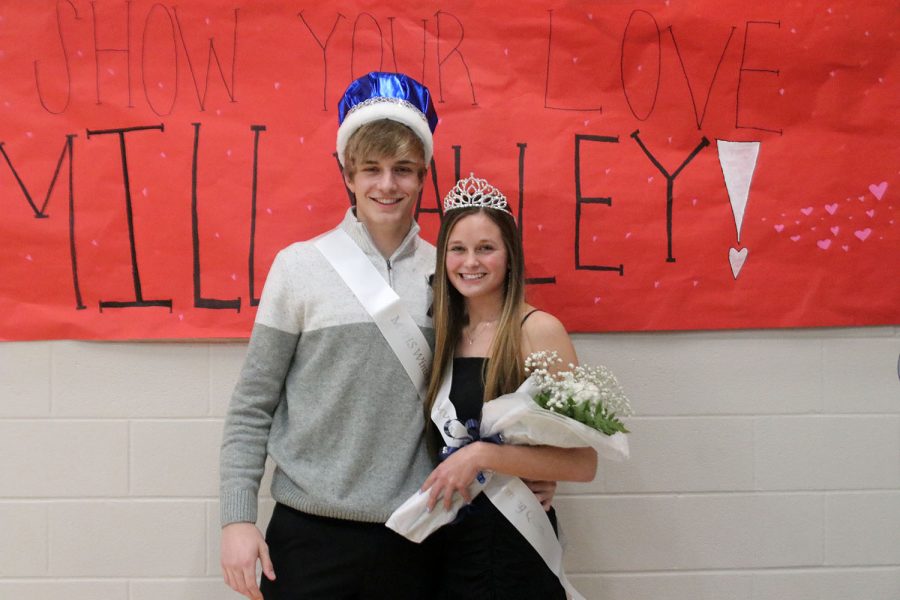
column 567, row 409
column 590, row 395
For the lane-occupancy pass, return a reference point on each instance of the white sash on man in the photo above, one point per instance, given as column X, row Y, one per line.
column 381, row 302
column 510, row 495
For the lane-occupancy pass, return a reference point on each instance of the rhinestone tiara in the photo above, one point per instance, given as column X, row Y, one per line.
column 474, row 192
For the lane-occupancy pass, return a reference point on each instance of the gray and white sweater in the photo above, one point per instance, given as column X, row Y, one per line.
column 324, row 395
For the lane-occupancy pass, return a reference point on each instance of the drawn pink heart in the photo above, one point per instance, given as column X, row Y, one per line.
column 878, row 190
column 831, row 208
column 862, row 234
column 596, row 299
column 835, row 229
column 845, row 247
column 779, row 228
column 795, row 238
column 871, row 212
column 824, row 244
column 807, row 211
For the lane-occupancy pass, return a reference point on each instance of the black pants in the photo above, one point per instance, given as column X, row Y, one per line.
column 333, row 559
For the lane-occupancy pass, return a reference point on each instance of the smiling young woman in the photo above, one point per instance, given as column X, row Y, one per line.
column 476, row 260
column 484, row 329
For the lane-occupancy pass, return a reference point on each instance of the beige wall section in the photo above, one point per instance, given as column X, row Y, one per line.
column 765, row 466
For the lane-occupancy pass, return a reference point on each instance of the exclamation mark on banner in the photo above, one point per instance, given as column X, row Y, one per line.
column 738, row 162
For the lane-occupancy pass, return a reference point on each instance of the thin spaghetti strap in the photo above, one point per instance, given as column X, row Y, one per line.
column 531, row 312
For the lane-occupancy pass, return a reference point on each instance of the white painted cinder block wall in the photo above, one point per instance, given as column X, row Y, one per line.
column 765, row 466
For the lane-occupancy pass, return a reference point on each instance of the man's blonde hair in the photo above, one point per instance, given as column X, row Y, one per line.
column 380, row 139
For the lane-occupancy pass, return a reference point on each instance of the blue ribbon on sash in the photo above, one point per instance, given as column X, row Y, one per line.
column 473, row 434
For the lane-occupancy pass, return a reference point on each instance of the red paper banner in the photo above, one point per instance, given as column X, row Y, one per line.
column 673, row 165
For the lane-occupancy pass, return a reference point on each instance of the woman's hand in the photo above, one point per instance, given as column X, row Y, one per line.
column 455, row 474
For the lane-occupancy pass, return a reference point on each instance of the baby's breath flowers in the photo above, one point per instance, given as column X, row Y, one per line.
column 578, row 408
column 590, row 395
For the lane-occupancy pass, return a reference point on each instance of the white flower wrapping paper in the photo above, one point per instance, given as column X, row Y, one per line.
column 520, row 420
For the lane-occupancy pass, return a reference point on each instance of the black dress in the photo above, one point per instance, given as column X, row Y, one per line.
column 485, row 557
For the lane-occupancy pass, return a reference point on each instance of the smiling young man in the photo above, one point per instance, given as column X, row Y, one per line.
column 332, row 385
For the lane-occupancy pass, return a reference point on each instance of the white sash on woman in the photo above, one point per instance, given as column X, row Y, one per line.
column 381, row 302
column 510, row 495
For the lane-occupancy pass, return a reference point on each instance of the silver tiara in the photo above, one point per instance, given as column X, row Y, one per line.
column 474, row 192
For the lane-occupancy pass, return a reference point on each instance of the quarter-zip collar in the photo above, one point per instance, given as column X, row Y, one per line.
column 357, row 230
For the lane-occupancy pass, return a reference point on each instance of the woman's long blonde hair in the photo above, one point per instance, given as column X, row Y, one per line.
column 505, row 367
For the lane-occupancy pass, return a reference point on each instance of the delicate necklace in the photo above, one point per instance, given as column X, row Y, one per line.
column 471, row 333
